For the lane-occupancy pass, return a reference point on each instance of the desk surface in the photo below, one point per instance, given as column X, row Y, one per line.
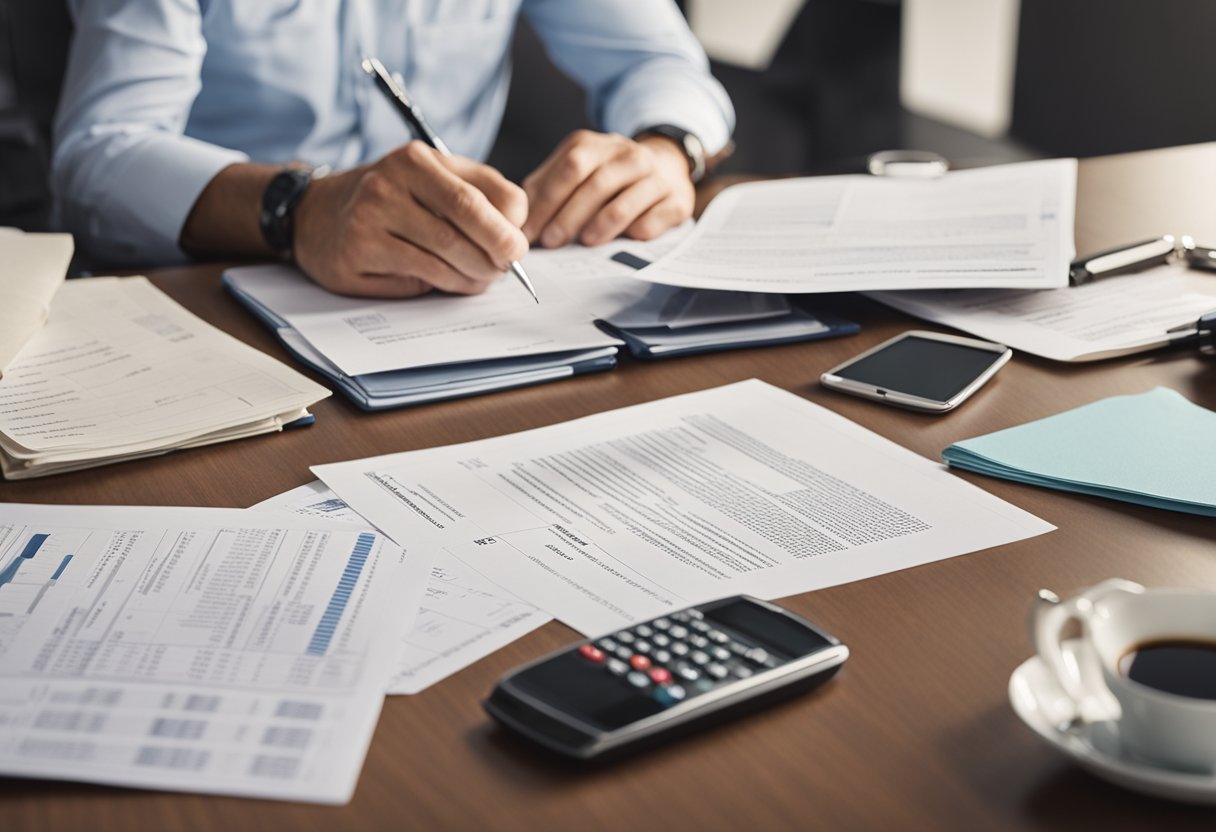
column 915, row 733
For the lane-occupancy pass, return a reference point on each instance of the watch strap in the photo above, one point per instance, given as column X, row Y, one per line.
column 693, row 148
column 279, row 200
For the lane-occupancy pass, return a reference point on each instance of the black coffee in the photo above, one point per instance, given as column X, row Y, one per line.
column 1179, row 666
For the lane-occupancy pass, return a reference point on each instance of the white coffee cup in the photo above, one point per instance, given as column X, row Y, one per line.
column 1117, row 617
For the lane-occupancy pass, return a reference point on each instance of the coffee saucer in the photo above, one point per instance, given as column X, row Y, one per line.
column 1041, row 703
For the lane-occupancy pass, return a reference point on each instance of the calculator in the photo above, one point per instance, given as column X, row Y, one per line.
column 654, row 680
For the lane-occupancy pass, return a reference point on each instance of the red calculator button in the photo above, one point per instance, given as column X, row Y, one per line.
column 591, row 653
column 640, row 662
column 660, row 675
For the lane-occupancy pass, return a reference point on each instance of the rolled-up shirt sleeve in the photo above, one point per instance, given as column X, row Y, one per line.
column 639, row 63
column 125, row 177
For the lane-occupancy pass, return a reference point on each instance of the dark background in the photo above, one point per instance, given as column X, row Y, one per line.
column 1092, row 77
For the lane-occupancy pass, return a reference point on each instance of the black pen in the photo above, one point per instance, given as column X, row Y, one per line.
column 396, row 93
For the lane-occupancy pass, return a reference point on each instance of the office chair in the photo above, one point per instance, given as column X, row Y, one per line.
column 34, row 39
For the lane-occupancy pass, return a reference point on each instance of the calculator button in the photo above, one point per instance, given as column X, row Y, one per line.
column 617, row 667
column 591, row 653
column 607, row 645
column 700, row 626
column 624, row 637
column 716, row 670
column 695, row 613
column 737, row 648
column 681, row 616
column 678, row 631
column 640, row 662
column 718, row 637
column 669, row 695
column 703, row 685
column 660, row 624
column 660, row 640
column 643, row 631
column 680, row 648
column 757, row 655
column 699, row 657
column 624, row 652
column 698, row 641
column 719, row 653
column 740, row 670
column 641, row 646
column 661, row 656
column 688, row 673
column 638, row 680
column 660, row 675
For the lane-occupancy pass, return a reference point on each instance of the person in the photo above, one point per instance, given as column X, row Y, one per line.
column 192, row 128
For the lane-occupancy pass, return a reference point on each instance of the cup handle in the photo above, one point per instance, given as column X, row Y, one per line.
column 1080, row 672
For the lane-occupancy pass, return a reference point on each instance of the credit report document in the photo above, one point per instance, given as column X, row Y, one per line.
column 202, row 650
column 1108, row 317
column 464, row 616
column 1008, row 227
column 628, row 514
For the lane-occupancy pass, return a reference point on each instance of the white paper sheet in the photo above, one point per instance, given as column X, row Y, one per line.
column 1106, row 318
column 464, row 616
column 32, row 267
column 204, row 650
column 576, row 285
column 1008, row 226
column 120, row 369
column 620, row 516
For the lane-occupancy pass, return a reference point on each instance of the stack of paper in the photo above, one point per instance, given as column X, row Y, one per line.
column 393, row 353
column 1156, row 449
column 1008, row 226
column 203, row 650
column 32, row 267
column 1105, row 318
column 120, row 371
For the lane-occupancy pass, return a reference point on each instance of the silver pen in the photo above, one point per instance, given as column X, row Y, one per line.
column 395, row 92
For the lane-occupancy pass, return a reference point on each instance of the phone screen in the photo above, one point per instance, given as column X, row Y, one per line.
column 934, row 370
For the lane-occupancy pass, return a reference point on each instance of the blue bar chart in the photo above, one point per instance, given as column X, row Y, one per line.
column 328, row 624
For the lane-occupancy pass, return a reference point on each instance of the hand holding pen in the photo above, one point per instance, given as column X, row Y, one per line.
column 408, row 223
column 394, row 90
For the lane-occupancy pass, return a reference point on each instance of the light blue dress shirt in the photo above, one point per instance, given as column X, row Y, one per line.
column 161, row 95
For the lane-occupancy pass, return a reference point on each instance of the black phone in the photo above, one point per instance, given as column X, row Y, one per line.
column 650, row 681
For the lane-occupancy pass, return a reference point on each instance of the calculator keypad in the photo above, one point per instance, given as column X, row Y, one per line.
column 677, row 656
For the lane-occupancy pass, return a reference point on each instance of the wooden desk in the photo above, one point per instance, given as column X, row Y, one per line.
column 916, row 732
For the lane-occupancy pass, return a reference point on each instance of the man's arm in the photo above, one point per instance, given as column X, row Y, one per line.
column 641, row 67
column 123, row 174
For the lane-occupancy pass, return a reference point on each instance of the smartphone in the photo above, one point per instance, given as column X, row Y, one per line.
column 920, row 370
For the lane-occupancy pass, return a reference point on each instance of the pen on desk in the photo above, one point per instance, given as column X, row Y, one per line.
column 1201, row 334
column 1122, row 259
column 396, row 93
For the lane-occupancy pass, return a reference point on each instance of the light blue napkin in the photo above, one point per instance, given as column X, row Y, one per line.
column 1156, row 448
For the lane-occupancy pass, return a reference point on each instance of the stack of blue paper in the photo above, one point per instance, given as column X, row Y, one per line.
column 1156, row 449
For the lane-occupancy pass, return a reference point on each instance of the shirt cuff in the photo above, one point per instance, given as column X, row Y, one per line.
column 675, row 94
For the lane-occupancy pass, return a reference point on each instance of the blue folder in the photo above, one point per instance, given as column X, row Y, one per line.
column 1155, row 449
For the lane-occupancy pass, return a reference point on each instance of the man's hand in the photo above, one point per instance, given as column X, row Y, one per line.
column 597, row 186
column 413, row 221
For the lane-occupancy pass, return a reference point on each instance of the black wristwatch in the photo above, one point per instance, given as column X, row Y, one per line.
column 279, row 200
column 693, row 149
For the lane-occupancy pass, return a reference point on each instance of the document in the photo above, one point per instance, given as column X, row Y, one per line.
column 203, row 650
column 32, row 267
column 121, row 371
column 464, row 616
column 361, row 336
column 624, row 515
column 1008, row 226
column 1154, row 448
column 1108, row 317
